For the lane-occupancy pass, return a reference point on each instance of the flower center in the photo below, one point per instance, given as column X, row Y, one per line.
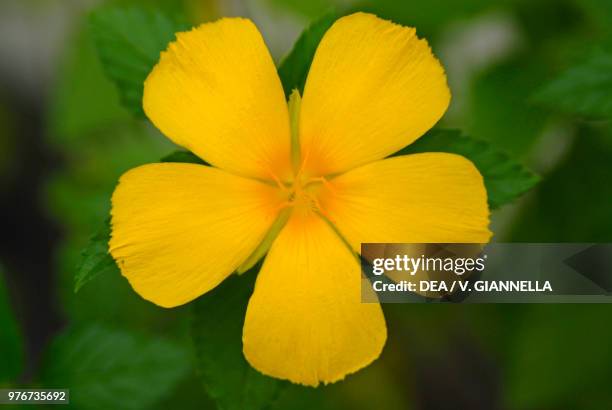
column 300, row 198
column 303, row 195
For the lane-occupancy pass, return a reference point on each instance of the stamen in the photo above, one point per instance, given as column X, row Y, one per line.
column 277, row 180
column 302, row 164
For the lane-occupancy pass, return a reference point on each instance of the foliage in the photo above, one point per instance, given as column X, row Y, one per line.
column 584, row 89
column 107, row 368
column 129, row 41
column 227, row 376
column 96, row 259
column 293, row 70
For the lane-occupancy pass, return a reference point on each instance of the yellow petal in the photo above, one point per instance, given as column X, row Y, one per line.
column 305, row 321
column 179, row 229
column 420, row 198
column 372, row 89
column 215, row 91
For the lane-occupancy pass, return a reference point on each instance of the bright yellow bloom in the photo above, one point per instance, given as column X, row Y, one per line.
column 316, row 169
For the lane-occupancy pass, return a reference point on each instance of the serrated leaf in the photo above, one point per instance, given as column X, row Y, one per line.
column 110, row 369
column 129, row 42
column 217, row 334
column 293, row 70
column 96, row 259
column 584, row 89
column 505, row 178
column 11, row 341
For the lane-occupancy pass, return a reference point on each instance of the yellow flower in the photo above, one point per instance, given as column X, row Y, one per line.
column 306, row 182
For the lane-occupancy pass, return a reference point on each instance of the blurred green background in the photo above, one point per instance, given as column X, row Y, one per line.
column 531, row 77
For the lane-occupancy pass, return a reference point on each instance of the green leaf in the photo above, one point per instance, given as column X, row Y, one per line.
column 129, row 42
column 584, row 89
column 11, row 342
column 110, row 369
column 96, row 259
column 183, row 156
column 505, row 179
column 293, row 70
column 499, row 95
column 217, row 334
